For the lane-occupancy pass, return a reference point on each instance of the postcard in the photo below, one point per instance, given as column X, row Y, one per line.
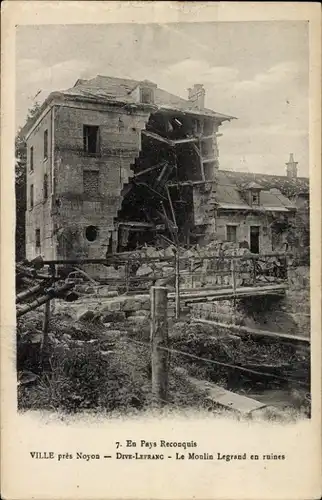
column 161, row 250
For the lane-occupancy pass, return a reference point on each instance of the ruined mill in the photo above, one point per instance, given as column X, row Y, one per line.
column 114, row 164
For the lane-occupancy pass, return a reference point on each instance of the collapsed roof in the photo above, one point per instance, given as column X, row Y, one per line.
column 112, row 90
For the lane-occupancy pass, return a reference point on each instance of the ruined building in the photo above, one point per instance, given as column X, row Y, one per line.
column 114, row 164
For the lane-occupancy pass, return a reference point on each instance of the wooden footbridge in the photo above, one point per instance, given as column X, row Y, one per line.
column 189, row 279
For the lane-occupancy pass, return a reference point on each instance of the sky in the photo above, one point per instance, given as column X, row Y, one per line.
column 255, row 71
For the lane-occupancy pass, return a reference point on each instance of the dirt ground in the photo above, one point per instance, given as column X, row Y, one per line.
column 107, row 367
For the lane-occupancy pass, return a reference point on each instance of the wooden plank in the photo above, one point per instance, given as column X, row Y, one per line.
column 222, row 397
column 196, row 150
column 147, row 170
column 207, row 137
column 136, row 224
column 171, row 207
column 189, row 183
column 163, row 171
column 157, row 137
column 229, row 296
column 201, row 163
column 151, row 189
column 241, row 291
column 254, row 332
column 187, row 140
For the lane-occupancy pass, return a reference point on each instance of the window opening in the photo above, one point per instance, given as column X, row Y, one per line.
column 91, row 233
column 90, row 139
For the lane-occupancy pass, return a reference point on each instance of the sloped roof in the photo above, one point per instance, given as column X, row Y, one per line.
column 252, row 185
column 229, row 197
column 289, row 187
column 120, row 89
column 107, row 89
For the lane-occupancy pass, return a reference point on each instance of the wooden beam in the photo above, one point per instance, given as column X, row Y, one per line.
column 157, row 137
column 201, row 163
column 171, row 207
column 196, row 150
column 135, row 224
column 147, row 170
column 189, row 183
column 168, row 223
column 159, row 338
column 244, row 330
column 227, row 399
column 144, row 184
column 186, row 140
column 159, row 178
column 207, row 137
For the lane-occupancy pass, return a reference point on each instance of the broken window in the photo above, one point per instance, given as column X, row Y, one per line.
column 37, row 238
column 91, row 139
column 45, row 187
column 91, row 182
column 45, row 144
column 255, row 197
column 146, row 95
column 31, row 159
column 231, row 231
column 31, row 196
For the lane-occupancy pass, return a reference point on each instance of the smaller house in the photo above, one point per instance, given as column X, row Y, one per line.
column 264, row 212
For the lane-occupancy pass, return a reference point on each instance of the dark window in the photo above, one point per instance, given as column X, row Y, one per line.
column 45, row 144
column 91, row 182
column 31, row 196
column 146, row 95
column 91, row 139
column 91, row 233
column 254, row 239
column 31, row 158
column 45, row 187
column 231, row 233
column 37, row 238
column 255, row 197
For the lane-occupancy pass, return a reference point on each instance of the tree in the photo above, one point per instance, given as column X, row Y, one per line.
column 20, row 184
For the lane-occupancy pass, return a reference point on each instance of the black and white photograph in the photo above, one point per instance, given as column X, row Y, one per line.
column 162, row 204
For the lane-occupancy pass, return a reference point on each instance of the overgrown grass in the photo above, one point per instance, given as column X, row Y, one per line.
column 81, row 379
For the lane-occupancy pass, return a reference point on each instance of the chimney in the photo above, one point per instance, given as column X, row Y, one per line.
column 196, row 96
column 291, row 167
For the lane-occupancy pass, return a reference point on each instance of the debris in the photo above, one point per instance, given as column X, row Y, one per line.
column 144, row 270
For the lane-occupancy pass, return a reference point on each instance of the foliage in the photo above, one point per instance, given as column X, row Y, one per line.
column 81, row 379
column 20, row 184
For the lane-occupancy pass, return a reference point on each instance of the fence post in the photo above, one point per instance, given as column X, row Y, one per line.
column 52, row 270
column 177, row 265
column 46, row 320
column 191, row 272
column 233, row 274
column 127, row 276
column 159, row 338
column 45, row 330
column 254, row 271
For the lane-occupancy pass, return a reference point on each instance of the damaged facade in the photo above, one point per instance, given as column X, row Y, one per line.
column 269, row 212
column 114, row 164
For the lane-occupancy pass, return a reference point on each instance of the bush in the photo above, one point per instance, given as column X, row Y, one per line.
column 82, row 379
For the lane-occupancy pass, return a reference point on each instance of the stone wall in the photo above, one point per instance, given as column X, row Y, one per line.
column 63, row 232
column 243, row 223
column 39, row 217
